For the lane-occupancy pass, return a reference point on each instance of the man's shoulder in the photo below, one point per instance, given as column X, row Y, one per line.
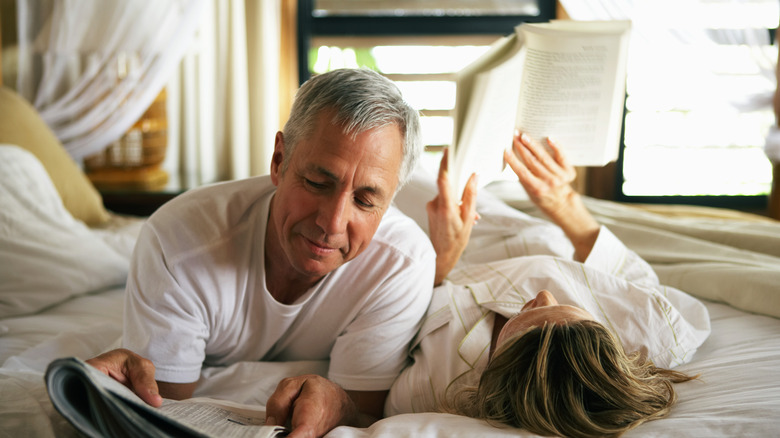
column 402, row 235
column 223, row 191
column 399, row 248
column 227, row 198
column 211, row 212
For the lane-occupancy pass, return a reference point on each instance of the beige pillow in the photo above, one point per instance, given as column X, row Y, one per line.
column 21, row 125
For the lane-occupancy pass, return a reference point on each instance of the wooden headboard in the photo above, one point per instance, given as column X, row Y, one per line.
column 7, row 28
column 1, row 53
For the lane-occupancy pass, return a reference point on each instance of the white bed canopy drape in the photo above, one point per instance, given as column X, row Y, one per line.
column 92, row 67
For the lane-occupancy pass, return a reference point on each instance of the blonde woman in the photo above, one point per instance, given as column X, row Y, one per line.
column 575, row 341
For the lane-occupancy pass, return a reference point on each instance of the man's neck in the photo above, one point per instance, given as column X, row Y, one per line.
column 284, row 289
column 282, row 281
column 284, row 284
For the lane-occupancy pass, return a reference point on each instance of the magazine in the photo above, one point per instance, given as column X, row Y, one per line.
column 98, row 406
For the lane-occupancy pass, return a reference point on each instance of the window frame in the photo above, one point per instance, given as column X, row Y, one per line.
column 604, row 182
column 310, row 26
column 739, row 202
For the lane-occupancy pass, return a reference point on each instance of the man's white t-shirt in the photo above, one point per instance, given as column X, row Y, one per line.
column 196, row 293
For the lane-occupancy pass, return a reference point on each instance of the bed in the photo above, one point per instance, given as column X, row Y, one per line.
column 62, row 274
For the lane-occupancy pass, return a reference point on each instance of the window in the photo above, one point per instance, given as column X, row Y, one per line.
column 690, row 135
column 419, row 44
column 695, row 125
column 428, row 84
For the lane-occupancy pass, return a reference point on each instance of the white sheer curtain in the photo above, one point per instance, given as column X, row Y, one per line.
column 223, row 101
column 701, row 77
column 92, row 67
column 669, row 41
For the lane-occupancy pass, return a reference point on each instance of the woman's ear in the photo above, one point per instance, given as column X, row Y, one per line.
column 278, row 158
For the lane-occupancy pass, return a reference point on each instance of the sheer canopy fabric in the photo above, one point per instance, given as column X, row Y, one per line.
column 92, row 67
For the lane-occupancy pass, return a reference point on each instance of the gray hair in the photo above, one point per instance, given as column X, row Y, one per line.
column 363, row 100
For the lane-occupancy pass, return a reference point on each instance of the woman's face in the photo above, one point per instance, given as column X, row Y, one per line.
column 543, row 308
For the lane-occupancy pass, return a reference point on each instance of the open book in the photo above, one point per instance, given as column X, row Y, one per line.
column 99, row 406
column 563, row 79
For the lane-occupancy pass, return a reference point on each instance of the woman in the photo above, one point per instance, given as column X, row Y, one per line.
column 540, row 341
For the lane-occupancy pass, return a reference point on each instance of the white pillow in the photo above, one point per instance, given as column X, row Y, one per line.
column 46, row 256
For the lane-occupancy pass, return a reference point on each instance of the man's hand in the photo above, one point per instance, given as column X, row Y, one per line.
column 131, row 370
column 312, row 404
column 450, row 222
column 547, row 177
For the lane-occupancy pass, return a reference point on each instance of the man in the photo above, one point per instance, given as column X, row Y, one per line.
column 311, row 262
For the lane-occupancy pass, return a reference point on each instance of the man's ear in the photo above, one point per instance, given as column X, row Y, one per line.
column 277, row 158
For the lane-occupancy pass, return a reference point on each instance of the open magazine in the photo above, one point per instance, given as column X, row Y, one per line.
column 98, row 406
column 562, row 79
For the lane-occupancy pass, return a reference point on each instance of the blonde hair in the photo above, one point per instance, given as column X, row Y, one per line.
column 572, row 379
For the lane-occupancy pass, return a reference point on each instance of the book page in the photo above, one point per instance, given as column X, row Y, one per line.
column 573, row 88
column 563, row 79
column 498, row 52
column 488, row 93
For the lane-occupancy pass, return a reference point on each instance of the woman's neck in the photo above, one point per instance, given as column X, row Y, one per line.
column 498, row 324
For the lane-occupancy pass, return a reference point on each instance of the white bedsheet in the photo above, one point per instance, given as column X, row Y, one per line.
column 738, row 393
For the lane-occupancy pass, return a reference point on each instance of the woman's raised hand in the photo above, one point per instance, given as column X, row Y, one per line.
column 450, row 222
column 546, row 174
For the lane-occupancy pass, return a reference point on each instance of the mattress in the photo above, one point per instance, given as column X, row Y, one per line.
column 737, row 393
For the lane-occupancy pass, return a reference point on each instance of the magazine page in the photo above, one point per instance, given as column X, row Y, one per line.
column 98, row 406
column 221, row 418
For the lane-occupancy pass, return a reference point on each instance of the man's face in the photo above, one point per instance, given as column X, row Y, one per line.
column 331, row 198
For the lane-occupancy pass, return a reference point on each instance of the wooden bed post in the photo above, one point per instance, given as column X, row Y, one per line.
column 288, row 65
column 774, row 196
column 1, row 52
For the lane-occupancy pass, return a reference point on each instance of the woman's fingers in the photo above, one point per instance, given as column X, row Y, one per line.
column 523, row 165
column 563, row 161
column 549, row 165
column 443, row 181
column 545, row 174
column 538, row 158
column 468, row 202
